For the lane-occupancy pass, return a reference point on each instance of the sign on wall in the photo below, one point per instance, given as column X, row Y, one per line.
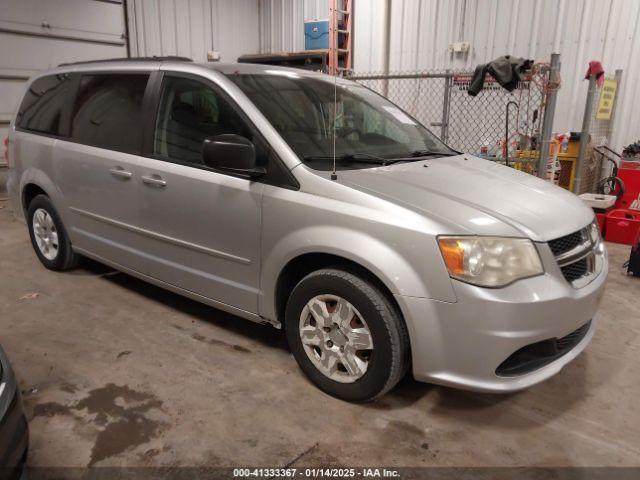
column 607, row 98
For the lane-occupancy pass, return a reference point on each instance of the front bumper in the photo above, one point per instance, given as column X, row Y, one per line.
column 462, row 344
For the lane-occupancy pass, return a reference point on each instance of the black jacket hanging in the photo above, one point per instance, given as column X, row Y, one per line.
column 506, row 70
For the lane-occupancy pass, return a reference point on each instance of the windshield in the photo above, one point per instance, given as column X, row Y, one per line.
column 370, row 130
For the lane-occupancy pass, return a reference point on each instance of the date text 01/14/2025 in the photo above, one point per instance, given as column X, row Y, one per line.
column 315, row 472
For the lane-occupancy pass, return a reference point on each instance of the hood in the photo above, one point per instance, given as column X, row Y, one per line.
column 476, row 196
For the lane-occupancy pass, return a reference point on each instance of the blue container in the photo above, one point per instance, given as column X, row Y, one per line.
column 316, row 35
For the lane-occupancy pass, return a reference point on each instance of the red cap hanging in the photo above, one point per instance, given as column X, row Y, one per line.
column 595, row 68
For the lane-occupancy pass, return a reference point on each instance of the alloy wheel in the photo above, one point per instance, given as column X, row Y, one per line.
column 336, row 338
column 45, row 233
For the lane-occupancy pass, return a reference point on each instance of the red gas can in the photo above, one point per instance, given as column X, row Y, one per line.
column 622, row 226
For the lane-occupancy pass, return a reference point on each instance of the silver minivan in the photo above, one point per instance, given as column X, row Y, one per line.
column 315, row 205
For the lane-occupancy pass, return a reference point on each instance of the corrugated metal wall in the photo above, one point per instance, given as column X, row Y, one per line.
column 421, row 30
column 282, row 22
column 580, row 30
column 190, row 28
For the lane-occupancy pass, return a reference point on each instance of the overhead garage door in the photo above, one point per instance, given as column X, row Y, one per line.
column 40, row 34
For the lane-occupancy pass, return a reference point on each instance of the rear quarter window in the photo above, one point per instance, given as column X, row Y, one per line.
column 108, row 111
column 43, row 106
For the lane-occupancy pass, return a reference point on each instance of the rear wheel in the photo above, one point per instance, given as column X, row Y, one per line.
column 48, row 236
column 346, row 335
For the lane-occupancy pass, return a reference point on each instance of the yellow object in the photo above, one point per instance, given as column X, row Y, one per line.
column 573, row 148
column 564, row 159
column 607, row 97
column 567, row 160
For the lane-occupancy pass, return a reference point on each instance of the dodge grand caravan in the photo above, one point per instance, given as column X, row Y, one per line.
column 218, row 182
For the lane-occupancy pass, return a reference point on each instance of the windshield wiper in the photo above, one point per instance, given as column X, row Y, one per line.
column 353, row 157
column 430, row 153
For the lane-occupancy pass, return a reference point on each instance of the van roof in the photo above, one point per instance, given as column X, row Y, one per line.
column 180, row 63
column 130, row 59
column 225, row 68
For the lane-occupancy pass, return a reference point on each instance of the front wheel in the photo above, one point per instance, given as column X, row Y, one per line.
column 346, row 335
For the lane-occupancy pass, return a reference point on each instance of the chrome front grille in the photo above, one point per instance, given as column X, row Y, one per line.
column 575, row 270
column 564, row 244
column 579, row 255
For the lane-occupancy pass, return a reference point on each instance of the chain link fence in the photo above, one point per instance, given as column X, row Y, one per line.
column 422, row 95
column 482, row 123
column 478, row 125
column 596, row 166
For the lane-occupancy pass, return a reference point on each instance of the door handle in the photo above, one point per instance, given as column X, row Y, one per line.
column 154, row 181
column 121, row 173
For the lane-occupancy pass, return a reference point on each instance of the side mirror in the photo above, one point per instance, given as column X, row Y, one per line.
column 232, row 154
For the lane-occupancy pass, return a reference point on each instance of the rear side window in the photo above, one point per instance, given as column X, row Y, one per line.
column 43, row 107
column 108, row 111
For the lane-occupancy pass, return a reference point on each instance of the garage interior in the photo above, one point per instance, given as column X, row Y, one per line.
column 116, row 372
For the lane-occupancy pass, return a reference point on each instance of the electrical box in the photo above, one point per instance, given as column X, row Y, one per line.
column 459, row 47
column 213, row 56
column 316, row 34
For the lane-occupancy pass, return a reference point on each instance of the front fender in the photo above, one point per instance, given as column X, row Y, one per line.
column 401, row 275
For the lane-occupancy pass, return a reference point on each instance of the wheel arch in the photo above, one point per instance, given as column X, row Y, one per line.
column 305, row 263
column 30, row 191
column 33, row 181
column 302, row 265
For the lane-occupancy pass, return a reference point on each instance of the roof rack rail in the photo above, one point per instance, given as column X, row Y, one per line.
column 131, row 59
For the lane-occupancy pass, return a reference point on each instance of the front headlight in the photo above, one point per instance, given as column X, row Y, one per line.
column 490, row 261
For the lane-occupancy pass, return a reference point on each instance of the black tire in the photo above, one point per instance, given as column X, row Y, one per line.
column 390, row 357
column 65, row 259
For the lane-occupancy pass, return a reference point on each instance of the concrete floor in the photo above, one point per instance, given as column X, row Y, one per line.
column 117, row 372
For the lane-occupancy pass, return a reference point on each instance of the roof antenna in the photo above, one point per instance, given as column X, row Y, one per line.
column 334, row 174
column 333, row 68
